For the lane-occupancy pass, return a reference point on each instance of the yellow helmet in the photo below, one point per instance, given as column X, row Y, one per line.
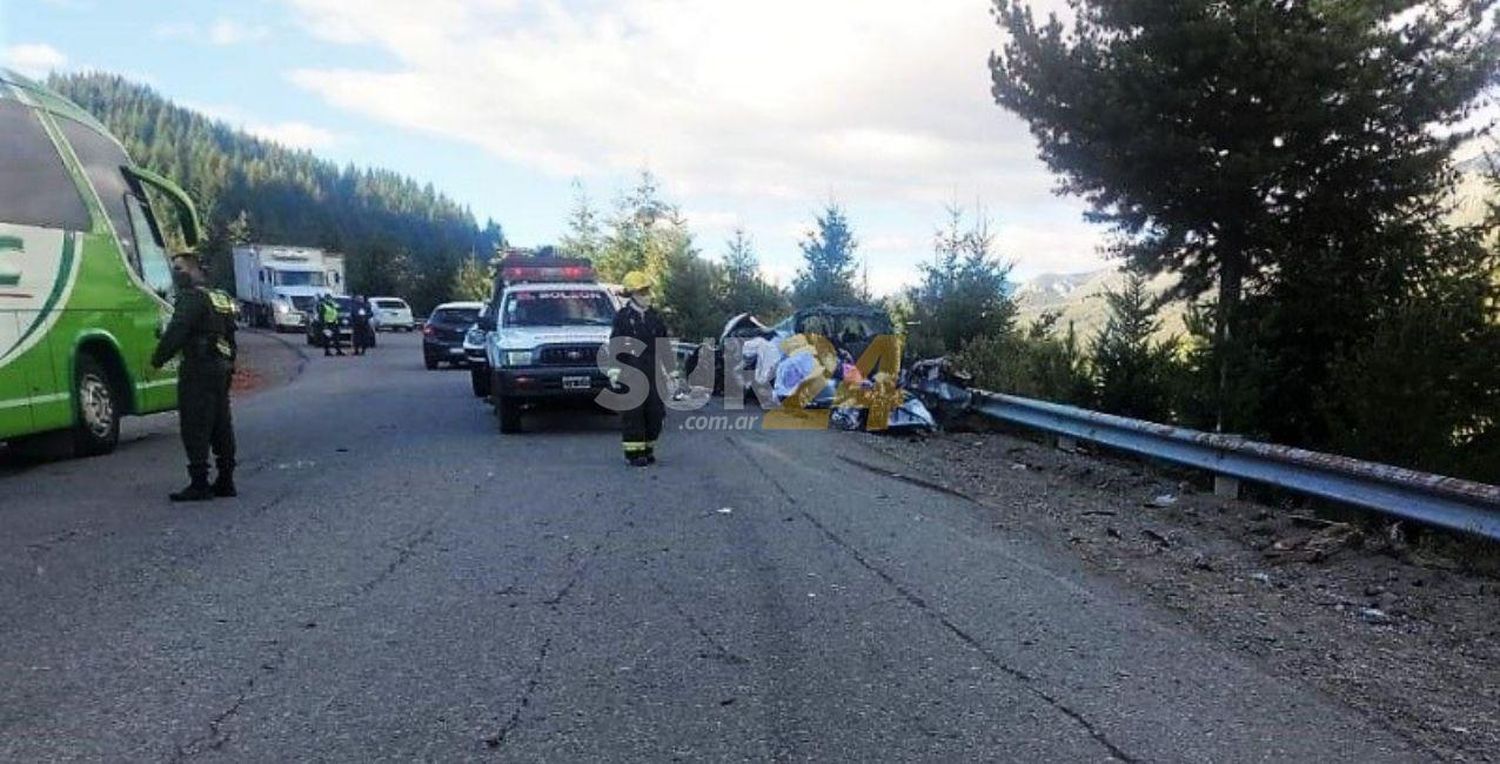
column 635, row 281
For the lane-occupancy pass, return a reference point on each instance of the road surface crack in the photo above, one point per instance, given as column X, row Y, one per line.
column 916, row 481
column 404, row 553
column 719, row 652
column 567, row 588
column 1026, row 680
column 216, row 736
column 532, row 683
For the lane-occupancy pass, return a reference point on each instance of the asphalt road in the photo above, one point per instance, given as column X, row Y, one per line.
column 399, row 581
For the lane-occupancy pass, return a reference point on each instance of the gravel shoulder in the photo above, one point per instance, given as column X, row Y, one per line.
column 266, row 361
column 1402, row 630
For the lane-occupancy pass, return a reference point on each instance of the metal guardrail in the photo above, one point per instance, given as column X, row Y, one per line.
column 1452, row 503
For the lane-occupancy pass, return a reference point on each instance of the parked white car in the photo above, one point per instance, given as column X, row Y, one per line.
column 392, row 314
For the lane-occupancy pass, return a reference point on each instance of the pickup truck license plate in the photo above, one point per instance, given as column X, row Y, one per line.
column 575, row 383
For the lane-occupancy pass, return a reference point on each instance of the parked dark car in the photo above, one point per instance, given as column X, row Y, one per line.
column 443, row 333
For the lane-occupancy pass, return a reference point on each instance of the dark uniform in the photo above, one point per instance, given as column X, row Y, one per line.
column 202, row 330
column 641, row 426
column 364, row 330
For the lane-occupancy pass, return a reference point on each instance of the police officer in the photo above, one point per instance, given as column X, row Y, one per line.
column 328, row 310
column 202, row 330
column 641, row 425
column 360, row 322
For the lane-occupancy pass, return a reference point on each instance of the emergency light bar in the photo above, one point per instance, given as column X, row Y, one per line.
column 515, row 270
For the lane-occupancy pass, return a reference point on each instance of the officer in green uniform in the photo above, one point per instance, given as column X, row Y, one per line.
column 202, row 330
column 328, row 311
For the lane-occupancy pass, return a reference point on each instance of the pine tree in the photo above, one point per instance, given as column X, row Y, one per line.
column 584, row 237
column 1133, row 371
column 643, row 231
column 473, row 281
column 964, row 292
column 1296, row 155
column 828, row 253
column 687, row 288
column 741, row 289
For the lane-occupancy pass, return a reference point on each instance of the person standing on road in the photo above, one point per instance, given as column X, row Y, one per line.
column 364, row 331
column 328, row 310
column 202, row 331
column 641, row 425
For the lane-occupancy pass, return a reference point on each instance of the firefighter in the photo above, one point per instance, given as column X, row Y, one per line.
column 202, row 331
column 641, row 425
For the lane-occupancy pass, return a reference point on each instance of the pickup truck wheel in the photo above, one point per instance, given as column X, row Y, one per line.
column 430, row 362
column 509, row 413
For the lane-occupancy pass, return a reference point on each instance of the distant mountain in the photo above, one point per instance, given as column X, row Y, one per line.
column 1078, row 298
column 1475, row 190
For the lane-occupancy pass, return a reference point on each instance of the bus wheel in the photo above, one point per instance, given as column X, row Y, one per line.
column 97, row 409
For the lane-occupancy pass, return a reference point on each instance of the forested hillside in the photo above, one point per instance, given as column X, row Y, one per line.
column 400, row 236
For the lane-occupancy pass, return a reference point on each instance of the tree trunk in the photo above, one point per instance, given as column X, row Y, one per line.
column 1231, row 278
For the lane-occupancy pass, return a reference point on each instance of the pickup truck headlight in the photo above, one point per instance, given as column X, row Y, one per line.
column 280, row 307
column 515, row 357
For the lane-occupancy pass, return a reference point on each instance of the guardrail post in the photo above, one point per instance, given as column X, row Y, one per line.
column 1067, row 443
column 1226, row 487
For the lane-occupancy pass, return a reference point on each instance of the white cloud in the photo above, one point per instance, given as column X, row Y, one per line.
column 779, row 98
column 291, row 133
column 176, row 30
column 777, row 102
column 712, row 220
column 297, row 135
column 228, row 32
column 221, row 32
column 33, row 59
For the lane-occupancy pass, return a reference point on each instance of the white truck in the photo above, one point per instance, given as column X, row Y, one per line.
column 278, row 285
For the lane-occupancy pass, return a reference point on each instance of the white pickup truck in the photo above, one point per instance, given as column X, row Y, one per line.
column 542, row 334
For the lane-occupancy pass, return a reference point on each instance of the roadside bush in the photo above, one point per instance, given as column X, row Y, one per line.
column 1034, row 365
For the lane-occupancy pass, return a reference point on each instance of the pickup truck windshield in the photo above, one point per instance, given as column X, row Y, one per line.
column 562, row 307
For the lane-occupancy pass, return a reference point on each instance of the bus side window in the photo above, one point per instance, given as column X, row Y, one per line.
column 103, row 161
column 35, row 188
column 154, row 267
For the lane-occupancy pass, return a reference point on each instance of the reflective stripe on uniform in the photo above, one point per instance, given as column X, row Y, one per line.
column 635, row 446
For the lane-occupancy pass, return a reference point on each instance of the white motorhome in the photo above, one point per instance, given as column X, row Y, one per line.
column 278, row 285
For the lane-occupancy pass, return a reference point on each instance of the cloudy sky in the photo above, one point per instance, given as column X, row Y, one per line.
column 751, row 114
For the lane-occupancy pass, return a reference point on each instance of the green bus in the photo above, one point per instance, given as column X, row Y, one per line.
column 85, row 278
